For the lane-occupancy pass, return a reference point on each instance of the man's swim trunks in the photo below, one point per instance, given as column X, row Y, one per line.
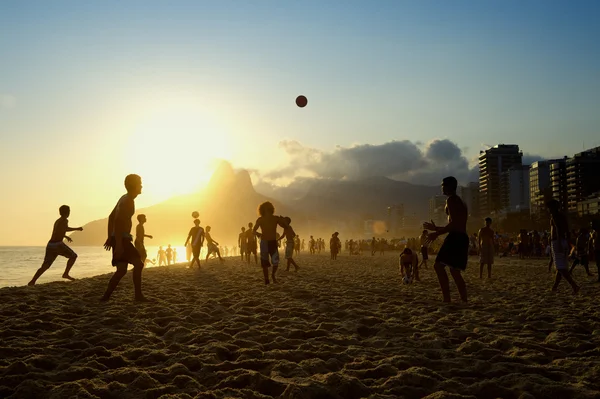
column 268, row 249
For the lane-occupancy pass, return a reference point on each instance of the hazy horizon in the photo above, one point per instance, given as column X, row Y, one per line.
column 90, row 92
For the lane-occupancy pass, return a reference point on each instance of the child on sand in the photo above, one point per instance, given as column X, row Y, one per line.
column 289, row 234
column 409, row 265
column 57, row 247
column 268, row 223
column 140, row 234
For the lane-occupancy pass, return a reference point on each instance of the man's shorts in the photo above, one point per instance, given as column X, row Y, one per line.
column 454, row 251
column 196, row 250
column 141, row 250
column 268, row 249
column 289, row 249
column 54, row 249
column 130, row 255
column 251, row 248
column 486, row 255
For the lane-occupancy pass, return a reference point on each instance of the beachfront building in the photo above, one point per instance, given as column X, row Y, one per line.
column 590, row 206
column 492, row 163
column 395, row 218
column 583, row 177
column 540, row 189
column 558, row 181
column 515, row 189
column 437, row 211
column 470, row 196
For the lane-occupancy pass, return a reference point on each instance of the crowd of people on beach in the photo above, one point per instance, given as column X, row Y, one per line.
column 559, row 244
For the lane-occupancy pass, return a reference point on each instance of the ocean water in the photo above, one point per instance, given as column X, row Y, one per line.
column 19, row 264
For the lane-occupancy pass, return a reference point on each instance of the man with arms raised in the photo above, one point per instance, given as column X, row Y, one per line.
column 454, row 252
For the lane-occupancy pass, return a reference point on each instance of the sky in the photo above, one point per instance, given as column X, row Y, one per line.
column 92, row 91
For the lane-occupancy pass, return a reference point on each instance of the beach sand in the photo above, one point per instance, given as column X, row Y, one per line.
column 346, row 329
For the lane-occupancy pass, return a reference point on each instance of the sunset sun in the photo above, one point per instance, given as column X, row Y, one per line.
column 173, row 150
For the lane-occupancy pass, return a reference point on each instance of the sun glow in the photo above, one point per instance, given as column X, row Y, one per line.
column 174, row 150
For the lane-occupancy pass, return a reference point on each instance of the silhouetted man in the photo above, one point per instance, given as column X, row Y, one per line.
column 120, row 240
column 56, row 246
column 140, row 234
column 251, row 244
column 485, row 239
column 454, row 252
column 242, row 243
column 560, row 245
column 196, row 235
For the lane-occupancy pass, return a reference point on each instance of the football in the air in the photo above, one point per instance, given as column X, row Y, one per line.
column 195, row 215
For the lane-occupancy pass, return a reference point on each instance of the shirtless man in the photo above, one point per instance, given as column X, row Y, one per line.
column 485, row 240
column 56, row 246
column 169, row 253
column 424, row 248
column 140, row 234
column 454, row 252
column 120, row 240
column 267, row 223
column 560, row 245
column 251, row 244
column 196, row 235
column 242, row 243
column 409, row 262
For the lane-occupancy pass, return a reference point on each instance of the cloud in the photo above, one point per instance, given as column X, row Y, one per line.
column 7, row 101
column 401, row 160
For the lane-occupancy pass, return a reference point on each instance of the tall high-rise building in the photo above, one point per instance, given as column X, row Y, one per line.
column 540, row 186
column 583, row 177
column 470, row 196
column 515, row 188
column 558, row 181
column 492, row 163
column 395, row 214
column 437, row 212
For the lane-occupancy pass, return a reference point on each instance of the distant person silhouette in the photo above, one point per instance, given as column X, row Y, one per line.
column 335, row 245
column 251, row 244
column 120, row 240
column 162, row 256
column 303, row 246
column 267, row 222
column 212, row 245
column 289, row 234
column 582, row 251
column 560, row 245
column 56, row 246
column 454, row 252
column 242, row 244
column 311, row 245
column 169, row 253
column 373, row 246
column 485, row 239
column 297, row 245
column 196, row 235
column 140, row 234
column 424, row 249
column 174, row 255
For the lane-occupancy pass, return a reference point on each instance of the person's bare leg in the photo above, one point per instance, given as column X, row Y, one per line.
column 256, row 259
column 70, row 264
column 266, row 274
column 38, row 273
column 460, row 283
column 137, row 283
column 557, row 279
column 489, row 270
column 273, row 273
column 114, row 281
column 568, row 277
column 416, row 272
column 288, row 265
column 440, row 270
column 294, row 263
column 481, row 270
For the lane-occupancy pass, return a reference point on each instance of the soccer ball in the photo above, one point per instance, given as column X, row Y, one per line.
column 407, row 280
column 195, row 215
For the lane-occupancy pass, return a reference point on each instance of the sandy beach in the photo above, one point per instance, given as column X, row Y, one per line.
column 346, row 329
